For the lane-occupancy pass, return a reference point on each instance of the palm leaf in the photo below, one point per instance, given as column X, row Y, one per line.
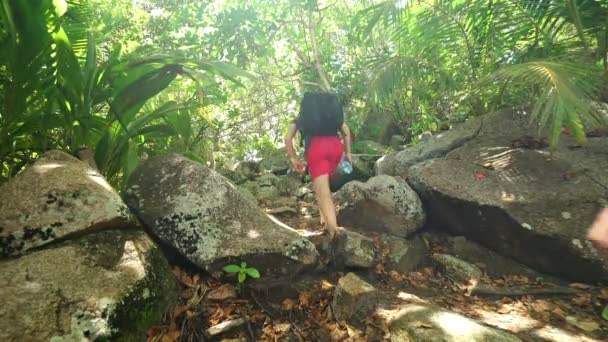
column 565, row 96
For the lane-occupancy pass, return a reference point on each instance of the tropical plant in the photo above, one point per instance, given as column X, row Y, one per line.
column 242, row 272
column 473, row 52
column 62, row 95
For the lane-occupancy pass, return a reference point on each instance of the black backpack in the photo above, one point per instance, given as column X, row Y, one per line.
column 321, row 114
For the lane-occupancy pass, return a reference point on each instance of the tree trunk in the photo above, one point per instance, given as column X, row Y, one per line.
column 315, row 51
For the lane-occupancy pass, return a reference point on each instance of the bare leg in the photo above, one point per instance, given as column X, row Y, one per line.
column 598, row 233
column 321, row 218
column 326, row 204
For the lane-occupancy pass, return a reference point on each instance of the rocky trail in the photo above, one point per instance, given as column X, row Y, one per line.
column 474, row 234
column 436, row 301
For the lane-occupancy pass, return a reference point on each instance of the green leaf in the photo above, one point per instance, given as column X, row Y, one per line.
column 232, row 268
column 61, row 6
column 242, row 277
column 131, row 159
column 193, row 156
column 132, row 97
column 253, row 273
column 143, row 120
column 605, row 313
column 243, row 265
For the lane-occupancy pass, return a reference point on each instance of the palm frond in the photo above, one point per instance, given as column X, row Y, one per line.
column 564, row 96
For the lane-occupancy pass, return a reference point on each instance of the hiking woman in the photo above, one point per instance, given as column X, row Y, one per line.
column 320, row 119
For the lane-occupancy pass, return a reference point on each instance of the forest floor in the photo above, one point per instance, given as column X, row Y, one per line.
column 300, row 310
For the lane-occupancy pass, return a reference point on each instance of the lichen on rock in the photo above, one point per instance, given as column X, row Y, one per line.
column 55, row 198
column 208, row 220
column 111, row 285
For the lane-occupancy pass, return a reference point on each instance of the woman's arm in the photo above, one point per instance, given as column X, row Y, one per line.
column 291, row 152
column 346, row 134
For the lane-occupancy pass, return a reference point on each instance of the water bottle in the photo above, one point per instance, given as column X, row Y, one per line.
column 346, row 167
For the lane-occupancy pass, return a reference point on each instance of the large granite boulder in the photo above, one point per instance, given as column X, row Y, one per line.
column 507, row 191
column 383, row 204
column 111, row 285
column 57, row 197
column 398, row 163
column 206, row 219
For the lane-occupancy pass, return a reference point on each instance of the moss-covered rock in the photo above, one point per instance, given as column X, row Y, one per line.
column 112, row 285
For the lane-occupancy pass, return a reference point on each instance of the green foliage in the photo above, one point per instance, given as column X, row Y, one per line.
column 142, row 78
column 242, row 272
column 54, row 99
column 440, row 55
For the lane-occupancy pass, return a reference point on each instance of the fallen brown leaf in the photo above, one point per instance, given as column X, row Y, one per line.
column 288, row 304
column 559, row 312
column 582, row 300
column 178, row 310
column 304, row 298
column 183, row 277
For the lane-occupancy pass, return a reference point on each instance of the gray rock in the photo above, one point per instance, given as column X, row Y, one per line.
column 369, row 147
column 397, row 142
column 289, row 184
column 404, row 255
column 57, row 197
column 263, row 188
column 354, row 299
column 269, row 186
column 458, row 270
column 233, row 176
column 302, row 192
column 275, row 161
column 248, row 169
column 357, row 250
column 506, row 191
column 492, row 263
column 351, row 249
column 424, row 322
column 398, row 163
column 384, row 204
column 206, row 219
column 112, row 285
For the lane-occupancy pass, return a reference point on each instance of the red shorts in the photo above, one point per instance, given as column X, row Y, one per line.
column 323, row 155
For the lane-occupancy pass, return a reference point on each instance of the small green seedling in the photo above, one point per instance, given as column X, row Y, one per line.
column 243, row 272
column 605, row 313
